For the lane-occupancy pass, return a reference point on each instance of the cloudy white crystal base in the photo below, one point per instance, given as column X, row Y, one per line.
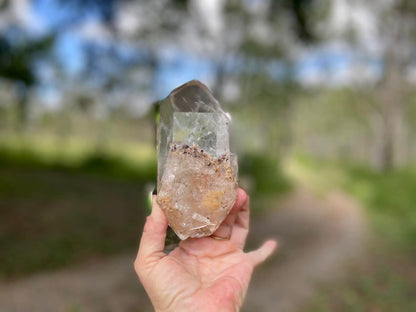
column 197, row 191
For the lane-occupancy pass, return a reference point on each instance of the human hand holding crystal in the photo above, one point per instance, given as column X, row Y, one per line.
column 201, row 274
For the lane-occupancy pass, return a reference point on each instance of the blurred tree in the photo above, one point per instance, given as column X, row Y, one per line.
column 125, row 51
column 398, row 25
column 393, row 45
column 222, row 32
column 17, row 65
column 271, row 32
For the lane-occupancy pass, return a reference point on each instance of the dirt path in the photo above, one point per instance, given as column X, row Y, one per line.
column 316, row 235
column 106, row 285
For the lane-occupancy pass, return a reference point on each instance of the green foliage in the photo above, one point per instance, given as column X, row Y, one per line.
column 305, row 16
column 264, row 173
column 115, row 166
column 390, row 198
column 301, row 10
column 16, row 61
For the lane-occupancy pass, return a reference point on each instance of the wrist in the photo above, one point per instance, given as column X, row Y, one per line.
column 195, row 307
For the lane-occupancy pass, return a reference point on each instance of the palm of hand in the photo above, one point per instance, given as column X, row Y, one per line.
column 210, row 275
column 201, row 274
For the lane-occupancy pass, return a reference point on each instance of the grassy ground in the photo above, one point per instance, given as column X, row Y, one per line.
column 51, row 219
column 385, row 279
column 65, row 203
column 133, row 160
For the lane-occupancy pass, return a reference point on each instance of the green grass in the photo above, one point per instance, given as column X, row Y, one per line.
column 386, row 279
column 65, row 203
column 388, row 197
column 136, row 161
column 391, row 200
column 265, row 174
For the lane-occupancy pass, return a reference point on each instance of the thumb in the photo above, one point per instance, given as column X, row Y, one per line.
column 152, row 242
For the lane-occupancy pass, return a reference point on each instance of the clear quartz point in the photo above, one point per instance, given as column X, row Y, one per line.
column 197, row 175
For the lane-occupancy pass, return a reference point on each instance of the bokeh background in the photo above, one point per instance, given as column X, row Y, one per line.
column 322, row 94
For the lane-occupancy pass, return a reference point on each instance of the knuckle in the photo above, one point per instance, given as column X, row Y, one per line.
column 142, row 265
column 137, row 265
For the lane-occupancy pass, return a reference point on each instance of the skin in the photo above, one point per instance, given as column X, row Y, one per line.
column 201, row 274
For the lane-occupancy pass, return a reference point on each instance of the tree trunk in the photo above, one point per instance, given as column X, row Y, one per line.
column 22, row 106
column 391, row 98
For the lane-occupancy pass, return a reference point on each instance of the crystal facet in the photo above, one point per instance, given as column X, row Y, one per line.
column 196, row 173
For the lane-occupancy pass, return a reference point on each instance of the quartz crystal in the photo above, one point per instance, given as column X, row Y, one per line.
column 196, row 173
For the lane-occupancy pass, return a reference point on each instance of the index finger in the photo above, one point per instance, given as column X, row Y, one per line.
column 225, row 229
column 240, row 228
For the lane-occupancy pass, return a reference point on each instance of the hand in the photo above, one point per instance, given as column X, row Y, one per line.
column 201, row 274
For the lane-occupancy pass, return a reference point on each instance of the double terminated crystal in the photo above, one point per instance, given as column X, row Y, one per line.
column 196, row 173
